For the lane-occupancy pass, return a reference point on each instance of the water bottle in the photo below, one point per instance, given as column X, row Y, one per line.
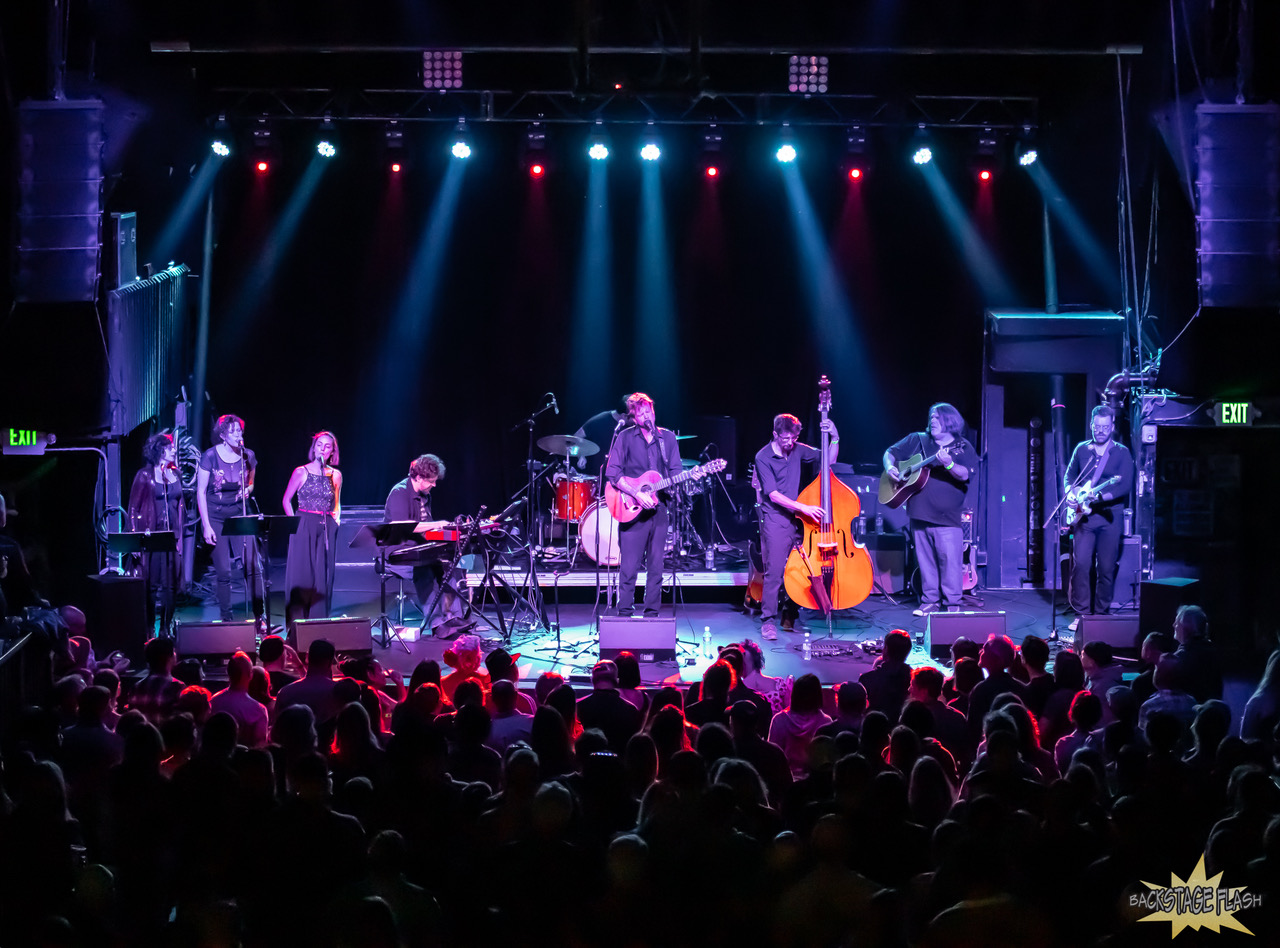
column 862, row 527
column 711, row 556
column 879, row 523
column 706, row 642
column 806, row 650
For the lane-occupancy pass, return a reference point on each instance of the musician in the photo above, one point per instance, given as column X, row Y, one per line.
column 411, row 500
column 224, row 486
column 778, row 471
column 309, row 570
column 641, row 446
column 1097, row 537
column 156, row 504
column 934, row 510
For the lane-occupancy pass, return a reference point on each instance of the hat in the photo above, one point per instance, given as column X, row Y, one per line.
column 500, row 663
column 464, row 652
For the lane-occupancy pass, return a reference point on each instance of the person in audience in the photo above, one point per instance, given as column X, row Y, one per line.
column 1262, row 710
column 249, row 713
column 109, row 678
column 950, row 727
column 157, row 693
column 777, row 691
column 995, row 659
column 629, row 682
column 607, row 710
column 1040, row 684
column 1209, row 729
column 769, row 760
column 794, row 729
column 740, row 691
column 510, row 724
column 1101, row 673
column 1154, row 647
column 890, row 676
column 565, row 701
column 960, row 648
column 503, row 666
column 547, row 682
column 964, row 678
column 1201, row 667
column 1171, row 696
column 549, row 739
column 194, row 700
column 1068, row 675
column 282, row 663
column 463, row 656
column 260, row 688
column 713, row 704
column 1084, row 715
column 851, row 707
column 315, row 689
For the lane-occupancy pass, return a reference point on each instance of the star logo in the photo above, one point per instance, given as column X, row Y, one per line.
column 1196, row 902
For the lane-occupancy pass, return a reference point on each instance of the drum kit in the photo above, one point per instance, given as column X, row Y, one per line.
column 577, row 505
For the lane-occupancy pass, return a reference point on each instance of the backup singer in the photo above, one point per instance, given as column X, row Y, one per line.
column 309, row 570
column 411, row 500
column 778, row 470
column 1098, row 536
column 640, row 447
column 935, row 509
column 156, row 504
column 224, row 486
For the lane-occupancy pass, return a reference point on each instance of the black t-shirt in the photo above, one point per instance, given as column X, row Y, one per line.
column 940, row 501
column 633, row 455
column 225, row 478
column 783, row 474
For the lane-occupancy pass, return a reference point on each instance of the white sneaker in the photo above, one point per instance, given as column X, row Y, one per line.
column 769, row 632
column 1074, row 624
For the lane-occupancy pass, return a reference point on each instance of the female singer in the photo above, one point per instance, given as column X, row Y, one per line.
column 308, row 574
column 155, row 504
column 223, row 487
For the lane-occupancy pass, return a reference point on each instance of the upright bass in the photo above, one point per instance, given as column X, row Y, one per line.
column 828, row 569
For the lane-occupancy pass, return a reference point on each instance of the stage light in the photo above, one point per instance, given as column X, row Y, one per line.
column 858, row 160
column 441, row 69
column 533, row 151
column 984, row 175
column 712, row 171
column 220, row 148
column 1028, row 157
column 396, row 167
column 537, row 170
column 598, row 148
column 461, row 149
column 987, row 160
column 807, row 74
column 923, row 155
column 650, row 152
column 262, row 152
column 855, row 174
column 711, row 160
column 461, row 141
column 263, row 167
column 393, row 144
column 786, row 154
column 599, row 151
column 325, row 148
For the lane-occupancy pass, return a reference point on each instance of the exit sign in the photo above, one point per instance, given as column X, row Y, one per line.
column 1233, row 413
column 24, row 441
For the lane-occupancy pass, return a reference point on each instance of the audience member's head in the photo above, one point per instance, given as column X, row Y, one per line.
column 271, row 649
column 260, row 685
column 851, row 698
column 468, row 692
column 1068, row 673
column 1168, row 674
column 547, row 682
column 501, row 664
column 604, row 676
column 1096, row 655
column 926, row 684
column 504, row 696
column 628, row 670
column 238, row 668
column 1086, row 711
column 966, row 673
column 92, row 704
column 159, row 655
column 320, row 656
column 806, row 695
column 464, row 654
column 1155, row 645
column 1035, row 653
column 753, row 655
column 997, row 654
column 965, row 648
column 717, row 681
column 427, row 670
column 897, row 646
column 1191, row 622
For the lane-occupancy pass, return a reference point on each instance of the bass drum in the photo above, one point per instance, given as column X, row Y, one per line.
column 598, row 535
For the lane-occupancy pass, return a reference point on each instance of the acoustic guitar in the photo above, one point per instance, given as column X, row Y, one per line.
column 623, row 504
column 915, row 474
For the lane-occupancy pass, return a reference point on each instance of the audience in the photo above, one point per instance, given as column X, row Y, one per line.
column 250, row 714
column 794, row 729
column 605, row 708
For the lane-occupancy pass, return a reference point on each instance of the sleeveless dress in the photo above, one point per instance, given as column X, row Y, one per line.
column 309, row 570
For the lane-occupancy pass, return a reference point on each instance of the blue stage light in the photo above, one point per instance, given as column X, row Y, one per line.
column 922, row 156
column 221, row 148
column 786, row 153
column 650, row 152
column 325, row 149
column 599, row 151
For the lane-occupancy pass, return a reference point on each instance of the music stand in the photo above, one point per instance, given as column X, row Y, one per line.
column 260, row 527
column 146, row 541
column 383, row 535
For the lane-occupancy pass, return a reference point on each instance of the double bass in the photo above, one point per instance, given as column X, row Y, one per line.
column 828, row 569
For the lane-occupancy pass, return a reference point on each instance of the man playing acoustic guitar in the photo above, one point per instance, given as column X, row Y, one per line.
column 641, row 447
column 1100, row 462
column 935, row 509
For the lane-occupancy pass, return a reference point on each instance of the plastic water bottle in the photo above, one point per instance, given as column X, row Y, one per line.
column 879, row 523
column 706, row 642
column 806, row 650
column 711, row 556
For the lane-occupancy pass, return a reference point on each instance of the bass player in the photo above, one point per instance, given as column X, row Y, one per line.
column 641, row 446
column 935, row 509
column 1097, row 535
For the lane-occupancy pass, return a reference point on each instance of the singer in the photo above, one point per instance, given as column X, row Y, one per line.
column 224, row 485
column 155, row 503
column 309, row 570
column 642, row 446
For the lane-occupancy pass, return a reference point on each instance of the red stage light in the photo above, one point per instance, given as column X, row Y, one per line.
column 263, row 167
column 537, row 170
column 855, row 174
column 712, row 171
column 395, row 167
column 984, row 175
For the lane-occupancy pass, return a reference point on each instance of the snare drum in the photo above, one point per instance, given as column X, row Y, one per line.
column 573, row 496
column 598, row 535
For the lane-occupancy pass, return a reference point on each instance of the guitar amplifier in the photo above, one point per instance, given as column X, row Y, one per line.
column 347, row 635
column 650, row 640
column 943, row 628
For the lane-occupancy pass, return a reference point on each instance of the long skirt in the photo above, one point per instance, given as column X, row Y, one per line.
column 310, row 568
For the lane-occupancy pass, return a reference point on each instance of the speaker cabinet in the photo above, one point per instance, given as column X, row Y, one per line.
column 1120, row 632
column 215, row 638
column 888, row 561
column 115, row 612
column 943, row 628
column 1160, row 599
column 650, row 640
column 346, row 634
column 1128, row 575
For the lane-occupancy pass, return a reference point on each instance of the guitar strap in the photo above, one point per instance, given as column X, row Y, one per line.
column 1102, row 461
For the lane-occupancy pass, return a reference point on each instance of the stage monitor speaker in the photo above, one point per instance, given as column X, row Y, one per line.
column 1160, row 599
column 345, row 633
column 650, row 640
column 222, row 639
column 943, row 628
column 1120, row 632
column 115, row 612
column 1128, row 575
column 888, row 561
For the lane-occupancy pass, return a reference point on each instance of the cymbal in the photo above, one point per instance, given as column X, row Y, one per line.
column 687, row 463
column 685, row 437
column 568, row 445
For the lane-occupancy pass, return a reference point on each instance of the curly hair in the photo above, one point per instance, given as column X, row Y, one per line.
column 427, row 465
column 223, row 425
column 153, row 451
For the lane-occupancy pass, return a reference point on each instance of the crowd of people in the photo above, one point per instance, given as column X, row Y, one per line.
column 316, row 800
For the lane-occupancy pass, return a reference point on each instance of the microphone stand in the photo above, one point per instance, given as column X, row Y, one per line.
column 610, row 591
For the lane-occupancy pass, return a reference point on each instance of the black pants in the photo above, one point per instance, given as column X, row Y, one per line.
column 777, row 538
column 224, row 549
column 642, row 542
column 1096, row 538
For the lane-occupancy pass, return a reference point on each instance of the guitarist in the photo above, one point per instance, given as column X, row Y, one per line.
column 935, row 509
column 778, row 471
column 1098, row 535
column 641, row 446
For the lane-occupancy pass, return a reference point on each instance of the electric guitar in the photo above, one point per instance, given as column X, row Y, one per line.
column 623, row 504
column 1080, row 501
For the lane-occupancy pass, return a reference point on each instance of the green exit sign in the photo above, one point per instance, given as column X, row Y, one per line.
column 1233, row 413
column 24, row 440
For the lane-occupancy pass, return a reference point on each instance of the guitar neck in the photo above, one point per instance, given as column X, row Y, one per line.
column 678, row 479
column 912, row 468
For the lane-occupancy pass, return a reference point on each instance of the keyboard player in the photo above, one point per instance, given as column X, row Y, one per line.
column 411, row 500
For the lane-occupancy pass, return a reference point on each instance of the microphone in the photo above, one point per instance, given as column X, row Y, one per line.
column 554, row 404
column 622, row 423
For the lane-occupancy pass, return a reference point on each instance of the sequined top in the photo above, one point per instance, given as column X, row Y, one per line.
column 316, row 494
